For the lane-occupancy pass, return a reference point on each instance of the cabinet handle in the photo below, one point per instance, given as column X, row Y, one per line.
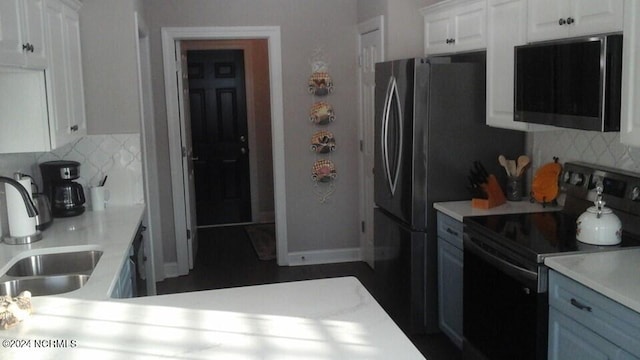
column 453, row 41
column 562, row 22
column 580, row 305
column 570, row 20
column 454, row 233
column 25, row 47
column 74, row 128
column 31, row 48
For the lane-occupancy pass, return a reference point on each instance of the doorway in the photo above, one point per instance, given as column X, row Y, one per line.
column 230, row 130
column 179, row 155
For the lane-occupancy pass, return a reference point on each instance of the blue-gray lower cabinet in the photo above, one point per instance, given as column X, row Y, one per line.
column 584, row 324
column 450, row 260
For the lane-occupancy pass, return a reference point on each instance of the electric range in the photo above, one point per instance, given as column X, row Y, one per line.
column 505, row 280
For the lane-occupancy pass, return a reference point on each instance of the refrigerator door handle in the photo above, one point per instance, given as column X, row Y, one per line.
column 392, row 94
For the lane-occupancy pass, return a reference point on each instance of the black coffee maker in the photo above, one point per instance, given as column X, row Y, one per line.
column 67, row 196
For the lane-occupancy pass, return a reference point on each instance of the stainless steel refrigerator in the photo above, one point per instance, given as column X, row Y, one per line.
column 429, row 128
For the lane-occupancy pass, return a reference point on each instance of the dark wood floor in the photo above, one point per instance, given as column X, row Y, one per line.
column 226, row 259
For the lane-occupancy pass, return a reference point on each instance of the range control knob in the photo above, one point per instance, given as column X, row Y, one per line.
column 566, row 177
column 635, row 193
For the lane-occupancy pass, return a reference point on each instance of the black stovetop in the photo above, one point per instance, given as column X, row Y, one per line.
column 540, row 234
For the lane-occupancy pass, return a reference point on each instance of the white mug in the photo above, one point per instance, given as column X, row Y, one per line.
column 99, row 198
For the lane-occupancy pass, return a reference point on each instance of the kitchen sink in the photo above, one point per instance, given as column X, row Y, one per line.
column 56, row 264
column 50, row 274
column 43, row 285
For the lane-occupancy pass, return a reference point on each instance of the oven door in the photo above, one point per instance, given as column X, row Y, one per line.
column 505, row 317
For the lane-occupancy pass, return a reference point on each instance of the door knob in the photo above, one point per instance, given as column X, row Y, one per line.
column 243, row 150
column 243, row 138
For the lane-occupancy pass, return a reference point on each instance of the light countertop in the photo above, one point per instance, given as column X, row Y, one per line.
column 316, row 319
column 110, row 231
column 615, row 274
column 461, row 209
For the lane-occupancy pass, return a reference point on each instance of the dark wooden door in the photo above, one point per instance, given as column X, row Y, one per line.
column 219, row 134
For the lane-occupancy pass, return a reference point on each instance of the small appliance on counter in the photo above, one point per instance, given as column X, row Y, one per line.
column 67, row 196
column 21, row 211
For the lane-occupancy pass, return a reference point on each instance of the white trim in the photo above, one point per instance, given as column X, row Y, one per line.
column 272, row 33
column 366, row 245
column 153, row 245
column 324, row 256
column 373, row 24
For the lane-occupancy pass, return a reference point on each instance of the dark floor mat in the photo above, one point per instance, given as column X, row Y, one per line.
column 263, row 238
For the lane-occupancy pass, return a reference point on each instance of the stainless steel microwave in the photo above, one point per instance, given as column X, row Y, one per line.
column 573, row 83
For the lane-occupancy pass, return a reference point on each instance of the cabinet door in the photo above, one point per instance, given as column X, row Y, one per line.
column 450, row 285
column 438, row 32
column 596, row 16
column 77, row 123
column 630, row 116
column 544, row 20
column 469, row 26
column 11, row 35
column 569, row 340
column 35, row 33
column 506, row 28
column 59, row 108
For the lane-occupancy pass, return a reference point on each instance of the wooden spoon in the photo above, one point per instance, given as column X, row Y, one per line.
column 511, row 167
column 503, row 161
column 523, row 162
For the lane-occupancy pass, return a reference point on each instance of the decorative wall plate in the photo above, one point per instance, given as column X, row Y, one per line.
column 323, row 142
column 323, row 171
column 320, row 83
column 321, row 113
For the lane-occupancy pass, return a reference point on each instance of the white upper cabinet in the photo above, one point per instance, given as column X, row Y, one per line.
column 64, row 77
column 630, row 115
column 506, row 28
column 557, row 19
column 22, row 34
column 41, row 110
column 454, row 26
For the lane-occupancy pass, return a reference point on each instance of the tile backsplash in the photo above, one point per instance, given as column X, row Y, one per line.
column 116, row 156
column 587, row 146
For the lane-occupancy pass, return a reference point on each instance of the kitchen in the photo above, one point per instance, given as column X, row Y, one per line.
column 312, row 228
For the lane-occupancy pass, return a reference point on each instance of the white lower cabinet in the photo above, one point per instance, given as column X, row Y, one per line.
column 586, row 325
column 450, row 263
column 124, row 285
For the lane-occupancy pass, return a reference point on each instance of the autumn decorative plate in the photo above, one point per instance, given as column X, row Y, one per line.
column 321, row 113
column 320, row 83
column 544, row 188
column 323, row 142
column 323, row 171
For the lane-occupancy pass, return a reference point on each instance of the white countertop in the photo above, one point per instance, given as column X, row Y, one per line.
column 615, row 274
column 111, row 231
column 316, row 319
column 460, row 209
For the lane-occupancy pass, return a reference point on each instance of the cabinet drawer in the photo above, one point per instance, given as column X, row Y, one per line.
column 611, row 320
column 450, row 230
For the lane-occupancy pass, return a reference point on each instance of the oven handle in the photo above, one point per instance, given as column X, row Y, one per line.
column 502, row 264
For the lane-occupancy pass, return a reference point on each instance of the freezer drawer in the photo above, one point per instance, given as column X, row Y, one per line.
column 402, row 285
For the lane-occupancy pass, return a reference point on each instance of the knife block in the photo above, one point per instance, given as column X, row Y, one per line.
column 495, row 196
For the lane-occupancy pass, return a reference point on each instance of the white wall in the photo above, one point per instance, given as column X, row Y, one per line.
column 109, row 60
column 305, row 26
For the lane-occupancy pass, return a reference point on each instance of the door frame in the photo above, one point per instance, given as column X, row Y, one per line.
column 175, row 127
column 373, row 24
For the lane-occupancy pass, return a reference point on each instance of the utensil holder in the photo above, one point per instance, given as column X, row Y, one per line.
column 495, row 196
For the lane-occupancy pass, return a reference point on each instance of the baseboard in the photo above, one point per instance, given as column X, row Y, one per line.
column 324, row 256
column 171, row 270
